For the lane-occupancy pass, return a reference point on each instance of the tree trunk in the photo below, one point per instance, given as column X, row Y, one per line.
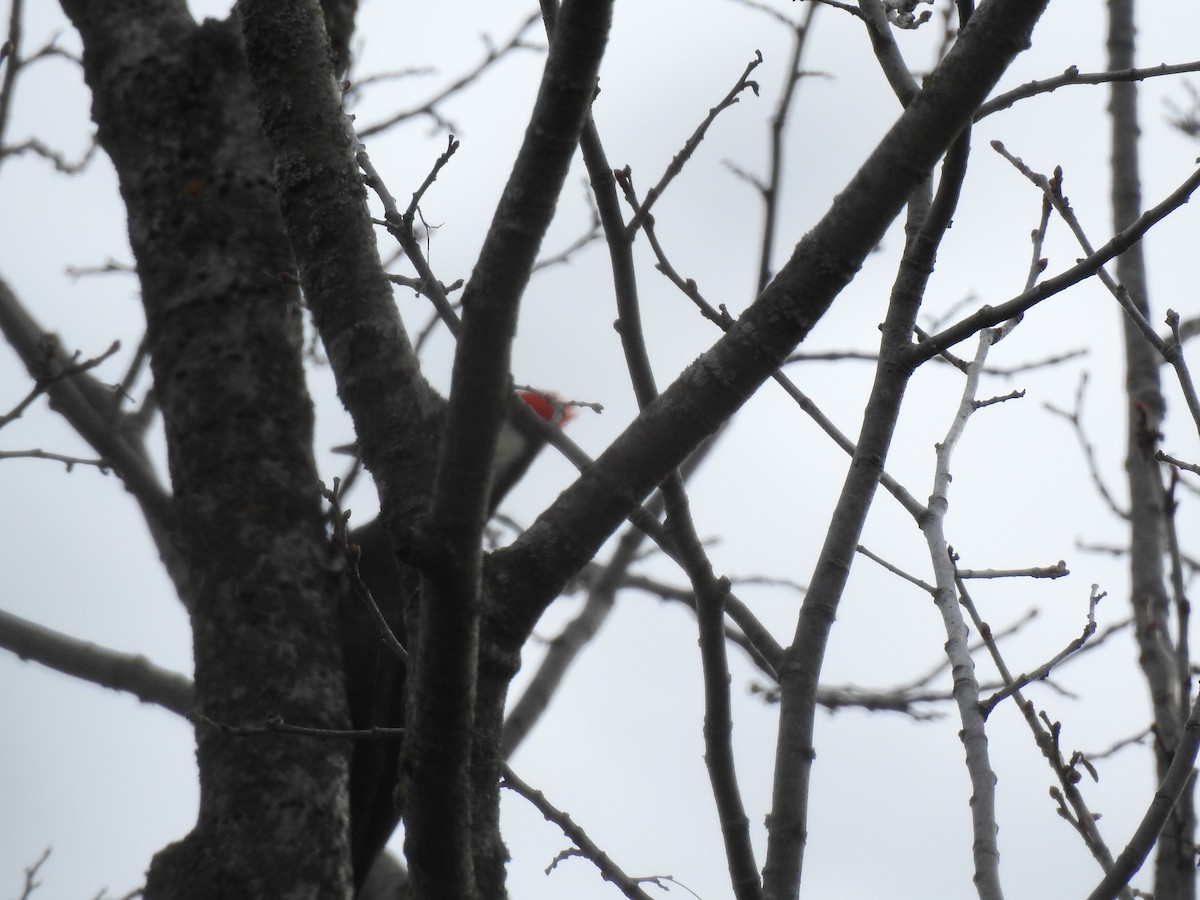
column 176, row 115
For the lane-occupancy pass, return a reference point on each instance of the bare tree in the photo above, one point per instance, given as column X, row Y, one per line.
column 347, row 679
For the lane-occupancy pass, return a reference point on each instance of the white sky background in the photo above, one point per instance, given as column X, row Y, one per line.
column 106, row 781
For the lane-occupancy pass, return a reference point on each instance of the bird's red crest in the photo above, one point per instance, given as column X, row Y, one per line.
column 545, row 405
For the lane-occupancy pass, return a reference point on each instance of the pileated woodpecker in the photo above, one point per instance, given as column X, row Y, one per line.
column 375, row 678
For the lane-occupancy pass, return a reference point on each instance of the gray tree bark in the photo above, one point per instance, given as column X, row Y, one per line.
column 239, row 178
column 1175, row 865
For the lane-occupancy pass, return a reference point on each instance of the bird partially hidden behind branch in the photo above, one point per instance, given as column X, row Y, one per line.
column 375, row 678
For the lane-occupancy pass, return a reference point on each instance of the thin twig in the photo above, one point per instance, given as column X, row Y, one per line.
column 1073, row 76
column 711, row 592
column 400, row 226
column 70, row 462
column 588, row 848
column 1071, row 804
column 1013, row 685
column 721, row 317
column 593, row 234
column 679, row 160
column 1058, row 570
column 351, row 553
column 896, row 570
column 844, row 7
column 31, row 872
column 770, row 189
column 966, row 684
column 1083, row 269
column 1183, row 606
column 1178, row 463
column 1089, row 451
column 1171, row 351
column 276, row 725
column 42, row 385
column 430, row 106
column 10, row 57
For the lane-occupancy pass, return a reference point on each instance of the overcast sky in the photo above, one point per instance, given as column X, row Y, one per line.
column 106, row 781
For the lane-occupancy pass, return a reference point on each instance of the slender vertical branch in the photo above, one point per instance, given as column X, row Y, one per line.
column 801, row 668
column 687, row 549
column 966, row 685
column 1175, row 877
column 440, row 842
column 779, row 120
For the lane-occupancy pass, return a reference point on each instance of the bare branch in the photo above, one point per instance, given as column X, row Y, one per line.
column 587, row 847
column 770, row 189
column 99, row 665
column 896, row 570
column 351, row 552
column 590, row 236
column 1058, row 570
column 10, row 53
column 966, row 685
column 1014, row 685
column 711, row 593
column 108, row 267
column 400, row 226
column 680, row 159
column 1178, row 776
column 1085, row 268
column 1172, row 350
column 88, row 406
column 31, row 872
column 276, row 725
column 55, row 372
column 837, row 4
column 883, row 42
column 69, row 461
column 1178, row 463
column 1073, row 76
column 58, row 159
column 430, row 107
column 1089, row 451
